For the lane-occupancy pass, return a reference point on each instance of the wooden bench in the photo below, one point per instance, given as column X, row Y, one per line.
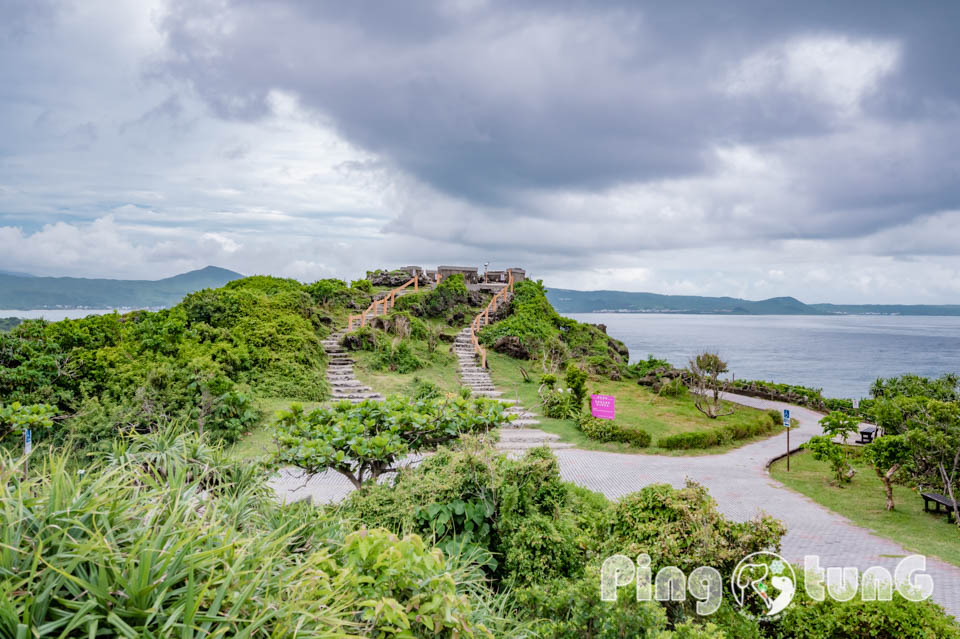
column 939, row 500
column 867, row 434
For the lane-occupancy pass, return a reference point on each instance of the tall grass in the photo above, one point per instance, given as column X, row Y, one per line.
column 168, row 538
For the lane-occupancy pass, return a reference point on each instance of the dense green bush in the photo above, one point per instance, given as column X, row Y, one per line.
column 945, row 388
column 364, row 338
column 648, row 366
column 396, row 356
column 608, row 430
column 173, row 540
column 722, row 435
column 542, row 331
column 682, row 527
column 365, row 440
column 858, row 619
column 450, row 294
column 201, row 360
column 363, row 285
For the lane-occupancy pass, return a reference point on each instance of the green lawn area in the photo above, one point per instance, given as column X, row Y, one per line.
column 259, row 441
column 636, row 406
column 440, row 369
column 862, row 501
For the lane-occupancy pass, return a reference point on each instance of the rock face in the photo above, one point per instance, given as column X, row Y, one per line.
column 658, row 376
column 512, row 346
column 393, row 278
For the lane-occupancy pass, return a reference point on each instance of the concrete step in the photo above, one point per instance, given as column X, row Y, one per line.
column 527, row 435
column 506, row 446
column 524, row 423
column 487, row 393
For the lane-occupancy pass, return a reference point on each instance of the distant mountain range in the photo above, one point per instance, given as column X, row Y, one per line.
column 570, row 301
column 24, row 292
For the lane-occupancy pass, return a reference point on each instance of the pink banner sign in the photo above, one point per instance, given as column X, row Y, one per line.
column 602, row 406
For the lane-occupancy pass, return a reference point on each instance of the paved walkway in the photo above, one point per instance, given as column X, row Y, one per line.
column 742, row 487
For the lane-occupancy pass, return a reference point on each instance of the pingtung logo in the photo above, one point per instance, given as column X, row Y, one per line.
column 763, row 585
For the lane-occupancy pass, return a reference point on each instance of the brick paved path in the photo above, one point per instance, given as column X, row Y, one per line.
column 738, row 480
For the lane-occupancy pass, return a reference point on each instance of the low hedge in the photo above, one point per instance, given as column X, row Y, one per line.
column 764, row 424
column 607, row 430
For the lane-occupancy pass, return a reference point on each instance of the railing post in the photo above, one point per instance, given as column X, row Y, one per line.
column 416, row 283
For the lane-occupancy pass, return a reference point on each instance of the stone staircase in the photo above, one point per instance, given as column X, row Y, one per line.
column 344, row 385
column 520, row 436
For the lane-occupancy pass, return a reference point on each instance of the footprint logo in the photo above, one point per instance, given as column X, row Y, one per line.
column 763, row 585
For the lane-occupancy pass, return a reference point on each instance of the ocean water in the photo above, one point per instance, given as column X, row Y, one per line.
column 57, row 314
column 842, row 354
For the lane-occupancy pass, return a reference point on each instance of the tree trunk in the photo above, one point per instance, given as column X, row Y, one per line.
column 949, row 486
column 887, row 479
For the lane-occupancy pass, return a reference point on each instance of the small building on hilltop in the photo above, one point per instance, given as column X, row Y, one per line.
column 470, row 274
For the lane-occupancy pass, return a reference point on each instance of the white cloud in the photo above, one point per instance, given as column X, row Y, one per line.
column 837, row 70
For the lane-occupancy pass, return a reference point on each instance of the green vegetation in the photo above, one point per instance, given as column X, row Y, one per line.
column 8, row 323
column 204, row 362
column 18, row 292
column 863, row 501
column 638, row 409
column 170, row 539
column 365, row 440
column 533, row 330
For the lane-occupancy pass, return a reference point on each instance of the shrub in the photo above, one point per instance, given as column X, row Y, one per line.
column 540, row 330
column 363, row 285
column 364, row 338
column 674, row 388
column 823, row 448
column 363, row 441
column 576, row 380
column 396, row 356
column 682, row 527
column 831, row 619
column 608, row 430
column 647, row 366
column 840, row 424
column 764, row 424
column 172, row 540
column 559, row 403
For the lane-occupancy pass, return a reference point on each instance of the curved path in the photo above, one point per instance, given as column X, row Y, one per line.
column 739, row 482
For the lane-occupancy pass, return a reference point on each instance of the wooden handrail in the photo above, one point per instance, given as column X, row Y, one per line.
column 483, row 318
column 385, row 303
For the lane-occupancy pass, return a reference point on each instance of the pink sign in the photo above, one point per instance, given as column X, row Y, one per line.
column 602, row 406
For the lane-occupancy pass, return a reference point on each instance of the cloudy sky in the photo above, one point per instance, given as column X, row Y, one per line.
column 749, row 148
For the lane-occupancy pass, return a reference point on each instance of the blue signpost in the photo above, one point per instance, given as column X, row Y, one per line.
column 27, row 441
column 786, row 422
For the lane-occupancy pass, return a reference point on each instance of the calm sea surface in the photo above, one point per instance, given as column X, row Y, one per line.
column 55, row 315
column 842, row 354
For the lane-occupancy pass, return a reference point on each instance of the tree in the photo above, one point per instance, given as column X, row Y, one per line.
column 839, row 423
column 887, row 455
column 933, row 436
column 705, row 370
column 364, row 441
column 16, row 418
column 823, row 448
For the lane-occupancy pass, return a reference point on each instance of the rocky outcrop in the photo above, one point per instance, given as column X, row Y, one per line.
column 512, row 346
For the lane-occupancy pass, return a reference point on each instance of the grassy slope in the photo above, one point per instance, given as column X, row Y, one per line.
column 862, row 501
column 636, row 406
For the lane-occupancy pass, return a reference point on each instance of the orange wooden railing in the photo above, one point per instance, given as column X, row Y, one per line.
column 381, row 306
column 483, row 318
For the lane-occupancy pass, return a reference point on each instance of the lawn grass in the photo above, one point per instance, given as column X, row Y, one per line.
column 862, row 501
column 637, row 406
column 259, row 441
column 440, row 369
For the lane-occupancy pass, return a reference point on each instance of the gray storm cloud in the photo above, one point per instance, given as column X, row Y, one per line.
column 692, row 147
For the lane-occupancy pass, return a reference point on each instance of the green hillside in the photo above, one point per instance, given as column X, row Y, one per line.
column 571, row 301
column 22, row 292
